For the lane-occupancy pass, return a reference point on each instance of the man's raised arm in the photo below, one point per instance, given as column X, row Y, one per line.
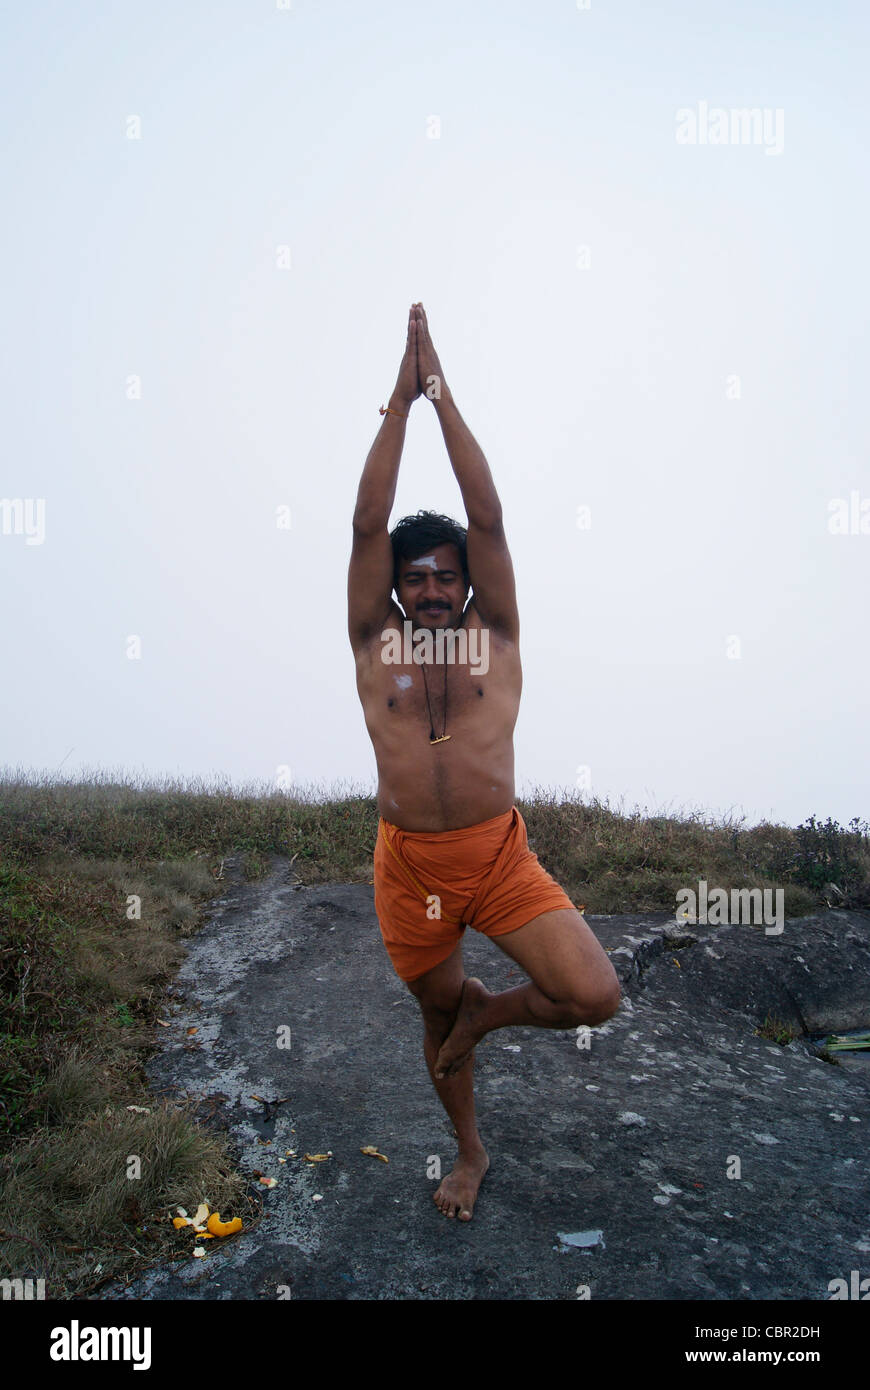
column 370, row 576
column 489, row 561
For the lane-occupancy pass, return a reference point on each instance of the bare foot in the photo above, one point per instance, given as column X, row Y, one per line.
column 466, row 1032
column 458, row 1191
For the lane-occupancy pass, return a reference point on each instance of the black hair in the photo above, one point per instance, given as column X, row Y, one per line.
column 414, row 535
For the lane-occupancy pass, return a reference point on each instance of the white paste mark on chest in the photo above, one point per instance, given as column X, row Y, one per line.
column 403, row 682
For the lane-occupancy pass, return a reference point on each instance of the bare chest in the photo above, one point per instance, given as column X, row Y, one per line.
column 432, row 695
column 439, row 696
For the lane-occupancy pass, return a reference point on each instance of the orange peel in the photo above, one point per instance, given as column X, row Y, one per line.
column 197, row 1221
column 223, row 1228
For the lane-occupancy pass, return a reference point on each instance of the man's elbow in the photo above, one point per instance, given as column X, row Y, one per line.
column 488, row 519
column 368, row 524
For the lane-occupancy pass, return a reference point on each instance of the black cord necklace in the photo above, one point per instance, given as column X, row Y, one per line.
column 444, row 736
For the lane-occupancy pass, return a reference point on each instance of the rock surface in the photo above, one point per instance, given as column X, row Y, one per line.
column 610, row 1163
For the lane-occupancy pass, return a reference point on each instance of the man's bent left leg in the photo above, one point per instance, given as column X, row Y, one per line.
column 565, row 959
column 573, row 982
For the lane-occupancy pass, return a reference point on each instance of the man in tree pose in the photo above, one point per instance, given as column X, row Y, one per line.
column 440, row 688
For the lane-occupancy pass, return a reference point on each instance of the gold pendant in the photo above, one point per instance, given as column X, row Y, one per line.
column 442, row 739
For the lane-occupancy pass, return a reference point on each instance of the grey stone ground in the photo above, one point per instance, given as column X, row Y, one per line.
column 631, row 1138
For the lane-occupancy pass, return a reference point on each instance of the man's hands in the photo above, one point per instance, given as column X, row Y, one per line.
column 428, row 366
column 407, row 387
column 420, row 368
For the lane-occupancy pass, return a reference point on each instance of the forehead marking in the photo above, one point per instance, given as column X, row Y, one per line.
column 426, row 560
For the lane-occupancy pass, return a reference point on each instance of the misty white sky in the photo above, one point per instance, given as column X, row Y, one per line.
column 670, row 334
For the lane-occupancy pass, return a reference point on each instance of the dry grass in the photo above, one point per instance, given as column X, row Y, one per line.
column 80, row 986
column 617, row 862
column 73, row 1208
column 330, row 831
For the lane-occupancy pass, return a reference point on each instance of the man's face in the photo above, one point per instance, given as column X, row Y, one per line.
column 431, row 589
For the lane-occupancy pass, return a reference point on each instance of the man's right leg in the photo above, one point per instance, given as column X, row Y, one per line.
column 438, row 993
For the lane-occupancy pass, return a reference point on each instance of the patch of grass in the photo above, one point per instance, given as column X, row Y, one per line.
column 777, row 1031
column 825, row 1056
column 828, row 853
column 256, row 865
column 613, row 861
column 86, row 950
column 91, row 1198
column 331, row 833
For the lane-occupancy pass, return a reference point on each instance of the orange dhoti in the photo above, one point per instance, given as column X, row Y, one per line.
column 430, row 885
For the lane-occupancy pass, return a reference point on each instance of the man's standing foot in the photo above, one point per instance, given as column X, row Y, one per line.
column 458, row 1192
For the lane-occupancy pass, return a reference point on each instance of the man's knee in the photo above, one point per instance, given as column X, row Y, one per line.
column 437, row 1022
column 608, row 1001
column 597, row 1006
column 439, row 1002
